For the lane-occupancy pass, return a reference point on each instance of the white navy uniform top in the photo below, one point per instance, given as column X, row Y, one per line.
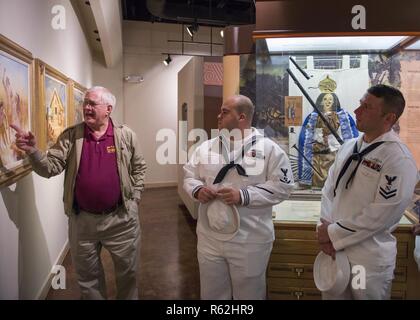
column 364, row 214
column 269, row 181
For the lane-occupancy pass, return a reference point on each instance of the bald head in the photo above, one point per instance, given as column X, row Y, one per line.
column 236, row 113
column 243, row 105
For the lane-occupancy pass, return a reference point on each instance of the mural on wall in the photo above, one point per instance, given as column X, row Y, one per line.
column 56, row 103
column 385, row 70
column 247, row 80
column 272, row 82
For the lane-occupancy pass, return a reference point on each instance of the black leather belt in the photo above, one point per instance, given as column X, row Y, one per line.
column 106, row 211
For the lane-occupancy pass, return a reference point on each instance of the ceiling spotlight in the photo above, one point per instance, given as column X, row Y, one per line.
column 192, row 29
column 167, row 61
column 222, row 34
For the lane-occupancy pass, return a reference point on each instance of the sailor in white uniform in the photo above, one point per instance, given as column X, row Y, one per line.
column 368, row 188
column 252, row 173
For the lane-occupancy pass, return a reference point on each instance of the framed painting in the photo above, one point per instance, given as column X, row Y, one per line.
column 16, row 103
column 53, row 100
column 293, row 111
column 76, row 93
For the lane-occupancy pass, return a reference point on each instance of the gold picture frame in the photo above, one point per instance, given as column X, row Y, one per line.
column 17, row 105
column 53, row 102
column 76, row 95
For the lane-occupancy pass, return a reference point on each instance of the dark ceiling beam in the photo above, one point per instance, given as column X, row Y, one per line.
column 221, row 4
column 199, row 14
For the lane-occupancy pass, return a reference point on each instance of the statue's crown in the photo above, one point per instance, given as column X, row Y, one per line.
column 327, row 85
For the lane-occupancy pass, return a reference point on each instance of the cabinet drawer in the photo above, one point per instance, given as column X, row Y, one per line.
column 290, row 270
column 309, row 283
column 294, row 294
column 296, row 246
column 292, row 258
column 311, row 294
column 290, row 282
column 295, row 234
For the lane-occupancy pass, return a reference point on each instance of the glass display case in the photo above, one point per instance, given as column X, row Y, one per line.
column 296, row 76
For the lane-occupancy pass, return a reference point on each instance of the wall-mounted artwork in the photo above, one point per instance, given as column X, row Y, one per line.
column 16, row 97
column 52, row 88
column 77, row 93
column 293, row 111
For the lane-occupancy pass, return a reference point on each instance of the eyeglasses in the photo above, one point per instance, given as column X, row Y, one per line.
column 93, row 104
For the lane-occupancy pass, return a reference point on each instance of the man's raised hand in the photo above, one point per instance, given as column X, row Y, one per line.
column 24, row 140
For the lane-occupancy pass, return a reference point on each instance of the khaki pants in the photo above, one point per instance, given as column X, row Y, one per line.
column 232, row 270
column 119, row 233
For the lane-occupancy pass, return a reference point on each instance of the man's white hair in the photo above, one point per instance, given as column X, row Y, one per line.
column 106, row 95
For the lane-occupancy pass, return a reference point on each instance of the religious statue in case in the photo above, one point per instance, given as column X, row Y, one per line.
column 317, row 145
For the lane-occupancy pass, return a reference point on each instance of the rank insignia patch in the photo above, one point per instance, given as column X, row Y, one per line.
column 284, row 179
column 388, row 190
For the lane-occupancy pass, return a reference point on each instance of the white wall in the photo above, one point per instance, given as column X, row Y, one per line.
column 152, row 104
column 33, row 227
column 111, row 78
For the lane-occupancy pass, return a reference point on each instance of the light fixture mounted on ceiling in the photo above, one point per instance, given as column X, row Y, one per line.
column 168, row 60
column 192, row 29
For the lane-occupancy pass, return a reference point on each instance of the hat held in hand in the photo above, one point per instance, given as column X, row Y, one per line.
column 221, row 221
column 332, row 276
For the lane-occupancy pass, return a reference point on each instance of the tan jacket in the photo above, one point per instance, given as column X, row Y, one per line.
column 65, row 155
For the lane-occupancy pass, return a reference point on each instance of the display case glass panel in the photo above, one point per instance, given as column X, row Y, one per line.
column 333, row 72
column 308, row 211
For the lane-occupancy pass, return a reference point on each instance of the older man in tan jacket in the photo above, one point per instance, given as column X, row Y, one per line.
column 104, row 177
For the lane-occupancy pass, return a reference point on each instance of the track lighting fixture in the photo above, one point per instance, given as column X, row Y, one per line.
column 167, row 61
column 192, row 29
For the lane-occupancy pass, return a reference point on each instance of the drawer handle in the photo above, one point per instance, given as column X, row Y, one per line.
column 298, row 294
column 299, row 271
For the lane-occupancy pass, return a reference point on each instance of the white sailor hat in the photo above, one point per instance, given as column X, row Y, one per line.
column 219, row 220
column 332, row 276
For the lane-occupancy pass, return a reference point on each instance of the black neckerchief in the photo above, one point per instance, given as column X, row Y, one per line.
column 231, row 163
column 355, row 156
